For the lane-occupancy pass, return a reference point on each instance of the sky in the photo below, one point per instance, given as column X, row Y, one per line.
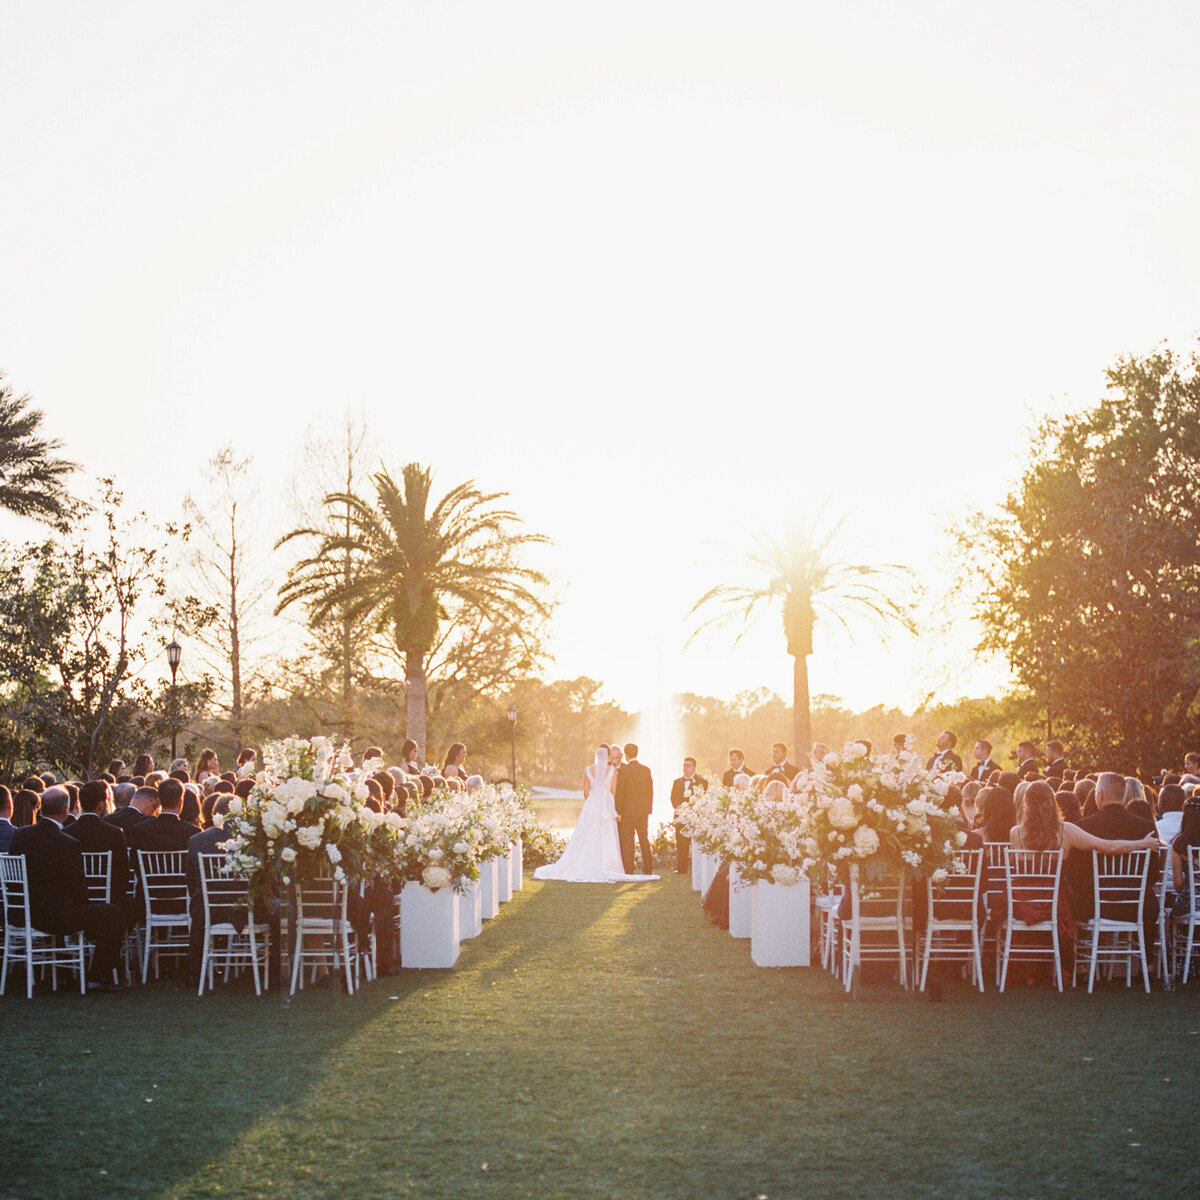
column 668, row 272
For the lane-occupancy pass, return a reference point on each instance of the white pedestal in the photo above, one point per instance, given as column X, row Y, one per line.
column 504, row 878
column 518, row 865
column 470, row 912
column 779, row 920
column 428, row 926
column 489, row 901
column 710, row 865
column 741, row 904
column 696, row 857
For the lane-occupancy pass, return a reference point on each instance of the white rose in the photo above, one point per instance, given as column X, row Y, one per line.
column 335, row 855
column 866, row 841
column 784, row 874
column 235, row 806
column 434, row 877
column 288, row 854
column 939, row 876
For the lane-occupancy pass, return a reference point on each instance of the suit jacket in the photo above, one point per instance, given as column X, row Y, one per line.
column 1113, row 822
column 126, row 818
column 981, row 771
column 7, row 832
column 54, row 864
column 784, row 771
column 164, row 832
column 208, row 841
column 1057, row 768
column 635, row 790
column 950, row 762
column 680, row 791
column 730, row 775
column 95, row 835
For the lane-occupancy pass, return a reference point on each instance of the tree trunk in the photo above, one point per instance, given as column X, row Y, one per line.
column 415, row 694
column 801, row 717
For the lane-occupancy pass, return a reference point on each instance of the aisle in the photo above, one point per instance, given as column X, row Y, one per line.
column 595, row 1041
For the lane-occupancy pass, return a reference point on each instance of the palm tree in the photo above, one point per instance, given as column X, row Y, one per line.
column 31, row 477
column 412, row 557
column 807, row 578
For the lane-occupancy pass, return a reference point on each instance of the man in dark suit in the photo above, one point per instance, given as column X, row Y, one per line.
column 58, row 900
column 780, row 768
column 96, row 835
column 140, row 804
column 1026, row 759
column 984, row 765
column 945, row 759
column 166, row 831
column 1057, row 764
column 634, row 799
column 682, row 790
column 7, row 829
column 737, row 766
column 1112, row 821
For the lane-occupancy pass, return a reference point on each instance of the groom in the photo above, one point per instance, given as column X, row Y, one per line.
column 635, row 799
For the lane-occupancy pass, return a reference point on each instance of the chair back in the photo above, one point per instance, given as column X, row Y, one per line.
column 97, row 868
column 224, row 892
column 1193, row 874
column 321, row 899
column 877, row 899
column 957, row 897
column 1119, row 885
column 1032, row 877
column 164, row 881
column 14, row 886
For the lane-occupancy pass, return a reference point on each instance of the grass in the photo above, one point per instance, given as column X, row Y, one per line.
column 600, row 1042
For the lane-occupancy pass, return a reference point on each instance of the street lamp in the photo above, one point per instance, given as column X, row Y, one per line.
column 174, row 654
column 512, row 728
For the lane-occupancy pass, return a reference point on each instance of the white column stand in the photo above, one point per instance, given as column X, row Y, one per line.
column 696, row 857
column 779, row 924
column 470, row 911
column 489, row 902
column 741, row 904
column 428, row 926
column 504, row 878
column 518, row 864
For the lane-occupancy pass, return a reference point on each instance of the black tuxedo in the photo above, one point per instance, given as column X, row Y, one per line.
column 7, row 832
column 1057, row 769
column 784, row 771
column 634, row 799
column 949, row 761
column 126, row 818
column 1113, row 822
column 981, row 771
column 164, row 832
column 681, row 790
column 58, row 900
column 730, row 775
column 1028, row 765
column 95, row 835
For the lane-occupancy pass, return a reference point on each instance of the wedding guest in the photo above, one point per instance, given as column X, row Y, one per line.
column 616, row 756
column 1191, row 763
column 247, row 762
column 25, row 807
column 209, row 841
column 474, row 784
column 737, row 766
column 1111, row 822
column 179, row 764
column 899, row 743
column 95, row 835
column 819, row 751
column 1134, row 790
column 387, row 787
column 35, row 783
column 997, row 814
column 7, row 828
column 409, row 756
column 1140, row 808
column 189, row 810
column 165, row 831
column 970, row 794
column 780, row 769
column 945, row 759
column 453, row 764
column 116, row 768
column 984, row 765
column 206, row 765
column 58, row 895
column 1069, row 808
column 1083, row 788
column 1008, row 781
column 125, row 815
column 1170, row 811
column 371, row 753
column 1056, row 764
column 426, row 783
column 1188, row 836
column 143, row 765
column 1026, row 759
column 374, row 800
column 681, row 790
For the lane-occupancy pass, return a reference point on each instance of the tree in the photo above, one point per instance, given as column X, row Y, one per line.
column 75, row 639
column 1087, row 577
column 32, row 478
column 420, row 561
column 806, row 578
column 224, row 579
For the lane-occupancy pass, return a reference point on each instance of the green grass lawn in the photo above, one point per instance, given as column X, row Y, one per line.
column 601, row 1042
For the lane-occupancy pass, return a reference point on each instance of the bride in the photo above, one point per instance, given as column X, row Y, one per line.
column 593, row 855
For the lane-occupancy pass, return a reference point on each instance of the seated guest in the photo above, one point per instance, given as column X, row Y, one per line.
column 35, row 783
column 473, row 784
column 997, row 814
column 73, row 805
column 1170, row 811
column 166, row 831
column 375, row 794
column 426, row 783
column 7, row 828
column 206, row 765
column 243, row 788
column 95, row 835
column 247, row 762
column 25, row 807
column 371, row 754
column 387, row 785
column 58, row 896
column 141, row 806
column 179, row 764
column 1112, row 822
column 1134, row 790
column 970, row 796
column 1008, row 781
column 182, row 776
column 209, row 841
column 117, row 768
column 1084, row 788
column 1191, row 763
column 143, row 765
column 189, row 810
column 1069, row 808
column 1188, row 836
column 1140, row 808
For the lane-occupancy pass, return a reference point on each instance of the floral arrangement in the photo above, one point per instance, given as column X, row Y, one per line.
column 883, row 813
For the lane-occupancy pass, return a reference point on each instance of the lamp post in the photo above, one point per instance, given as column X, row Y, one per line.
column 174, row 654
column 512, row 729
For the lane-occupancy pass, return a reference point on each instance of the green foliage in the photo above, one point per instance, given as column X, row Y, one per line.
column 32, row 477
column 1087, row 577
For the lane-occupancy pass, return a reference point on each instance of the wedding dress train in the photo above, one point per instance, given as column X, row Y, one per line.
column 593, row 855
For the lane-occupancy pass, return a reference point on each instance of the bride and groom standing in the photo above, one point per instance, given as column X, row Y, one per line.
column 616, row 808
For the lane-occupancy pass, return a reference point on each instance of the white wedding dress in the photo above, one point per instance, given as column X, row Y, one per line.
column 593, row 855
